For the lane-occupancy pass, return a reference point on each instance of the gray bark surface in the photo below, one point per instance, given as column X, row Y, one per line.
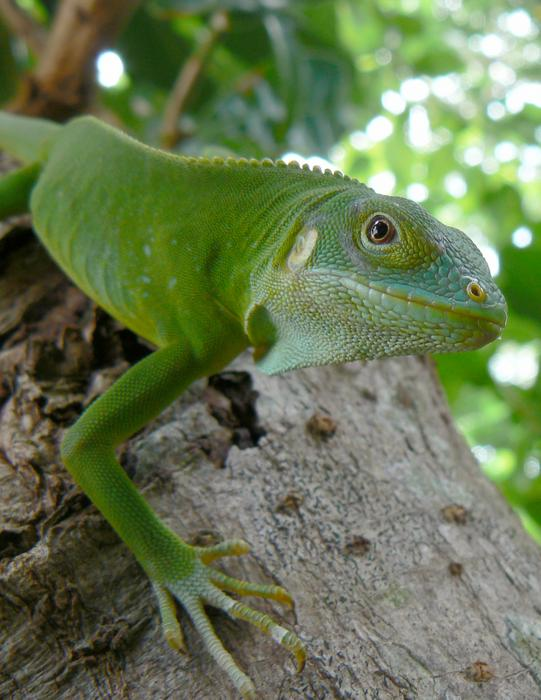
column 411, row 575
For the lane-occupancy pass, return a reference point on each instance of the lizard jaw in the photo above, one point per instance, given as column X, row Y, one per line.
column 485, row 324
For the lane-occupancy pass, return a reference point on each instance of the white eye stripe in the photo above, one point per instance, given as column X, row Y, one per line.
column 302, row 249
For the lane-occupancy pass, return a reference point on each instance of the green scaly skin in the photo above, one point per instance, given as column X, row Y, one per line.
column 205, row 258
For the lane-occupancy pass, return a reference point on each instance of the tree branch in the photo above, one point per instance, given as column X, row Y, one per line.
column 187, row 79
column 22, row 25
column 63, row 83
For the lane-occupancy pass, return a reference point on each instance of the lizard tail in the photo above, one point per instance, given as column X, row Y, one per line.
column 25, row 138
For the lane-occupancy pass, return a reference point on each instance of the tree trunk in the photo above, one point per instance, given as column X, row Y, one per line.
column 411, row 575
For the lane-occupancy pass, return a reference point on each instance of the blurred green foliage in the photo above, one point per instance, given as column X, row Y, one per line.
column 438, row 101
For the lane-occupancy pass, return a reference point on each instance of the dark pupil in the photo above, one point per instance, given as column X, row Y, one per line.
column 380, row 229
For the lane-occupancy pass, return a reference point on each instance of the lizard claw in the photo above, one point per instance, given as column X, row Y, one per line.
column 227, row 548
column 205, row 586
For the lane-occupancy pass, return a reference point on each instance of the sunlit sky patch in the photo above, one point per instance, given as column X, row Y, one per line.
column 502, row 73
column 515, row 364
column 419, row 133
column 448, row 88
column 532, row 467
column 495, row 110
column 417, row 191
column 410, row 5
column 337, row 154
column 523, row 93
column 383, row 56
column 379, row 128
column 455, row 184
column 491, row 45
column 522, row 237
column 530, row 163
column 383, row 182
column 451, row 5
column 490, row 165
column 359, row 140
column 484, row 453
column 393, row 102
column 499, row 463
column 312, row 161
column 473, row 155
column 531, row 53
column 490, row 254
column 505, row 151
column 414, row 89
column 519, row 23
column 110, row 68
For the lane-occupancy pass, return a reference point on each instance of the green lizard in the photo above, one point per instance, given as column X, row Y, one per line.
column 206, row 257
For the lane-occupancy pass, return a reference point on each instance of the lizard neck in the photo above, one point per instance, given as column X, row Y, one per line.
column 272, row 202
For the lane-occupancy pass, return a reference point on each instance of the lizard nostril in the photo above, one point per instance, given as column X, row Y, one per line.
column 476, row 292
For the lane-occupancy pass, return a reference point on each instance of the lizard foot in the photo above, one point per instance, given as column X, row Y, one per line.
column 205, row 586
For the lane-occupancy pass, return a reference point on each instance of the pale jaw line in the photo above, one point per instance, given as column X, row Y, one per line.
column 412, row 305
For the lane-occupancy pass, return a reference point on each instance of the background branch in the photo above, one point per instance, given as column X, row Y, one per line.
column 22, row 25
column 187, row 79
column 63, row 83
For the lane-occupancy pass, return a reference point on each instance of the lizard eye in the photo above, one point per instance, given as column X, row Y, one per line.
column 380, row 230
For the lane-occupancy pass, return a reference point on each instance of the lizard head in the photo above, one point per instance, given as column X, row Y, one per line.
column 367, row 275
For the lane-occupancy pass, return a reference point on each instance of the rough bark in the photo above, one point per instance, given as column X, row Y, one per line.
column 412, row 577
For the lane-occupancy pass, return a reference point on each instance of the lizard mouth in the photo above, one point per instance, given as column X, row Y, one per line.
column 491, row 316
column 487, row 322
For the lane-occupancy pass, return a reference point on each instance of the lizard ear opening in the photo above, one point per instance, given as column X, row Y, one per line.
column 302, row 249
